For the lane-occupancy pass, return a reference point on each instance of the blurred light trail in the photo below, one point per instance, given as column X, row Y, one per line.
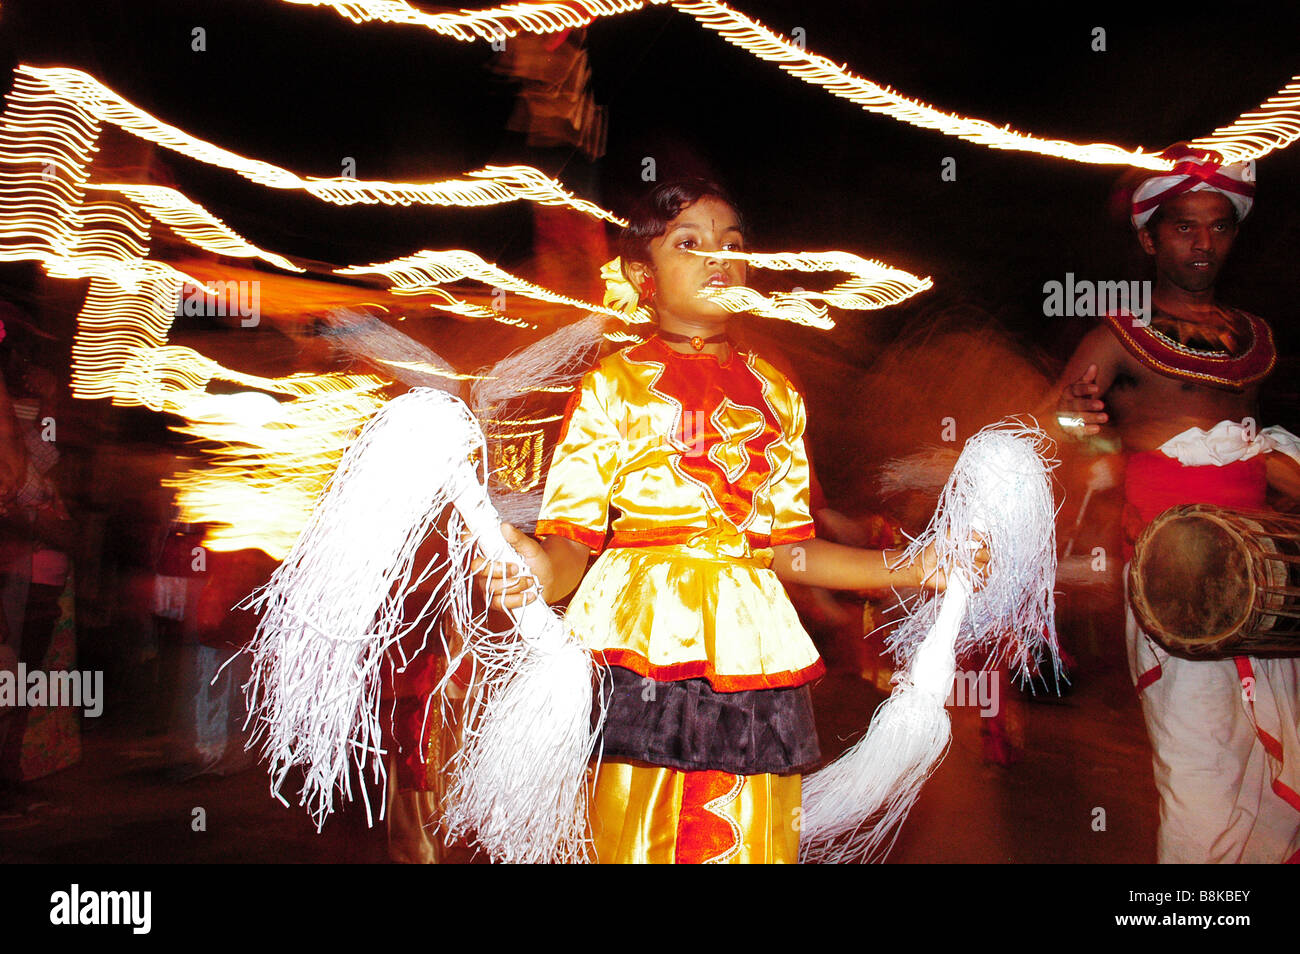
column 193, row 223
column 258, row 487
column 1275, row 125
column 424, row 272
column 63, row 88
column 873, row 285
column 490, row 24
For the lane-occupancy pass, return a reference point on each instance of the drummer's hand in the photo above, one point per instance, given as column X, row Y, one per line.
column 508, row 585
column 1080, row 411
column 1104, row 473
column 938, row 579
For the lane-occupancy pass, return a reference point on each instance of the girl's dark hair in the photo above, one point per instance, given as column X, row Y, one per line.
column 650, row 216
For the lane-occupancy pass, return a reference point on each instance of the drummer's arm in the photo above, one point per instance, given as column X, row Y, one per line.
column 1074, row 407
column 1283, row 474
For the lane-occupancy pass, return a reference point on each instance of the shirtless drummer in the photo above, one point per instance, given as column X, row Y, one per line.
column 1180, row 391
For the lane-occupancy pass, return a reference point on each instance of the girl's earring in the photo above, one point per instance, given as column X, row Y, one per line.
column 648, row 289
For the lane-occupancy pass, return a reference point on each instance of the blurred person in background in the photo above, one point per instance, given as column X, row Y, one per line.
column 36, row 582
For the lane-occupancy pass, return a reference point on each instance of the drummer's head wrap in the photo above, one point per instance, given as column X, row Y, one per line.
column 1196, row 170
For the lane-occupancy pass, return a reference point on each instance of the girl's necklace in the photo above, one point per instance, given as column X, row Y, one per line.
column 695, row 341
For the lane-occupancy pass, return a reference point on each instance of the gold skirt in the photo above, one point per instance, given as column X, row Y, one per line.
column 680, row 612
column 644, row 814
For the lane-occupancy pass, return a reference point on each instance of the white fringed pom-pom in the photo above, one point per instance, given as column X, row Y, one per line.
column 334, row 608
column 999, row 492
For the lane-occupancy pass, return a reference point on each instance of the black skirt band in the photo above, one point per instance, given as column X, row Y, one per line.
column 687, row 725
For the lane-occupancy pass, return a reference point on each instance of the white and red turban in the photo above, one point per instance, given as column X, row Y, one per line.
column 1196, row 171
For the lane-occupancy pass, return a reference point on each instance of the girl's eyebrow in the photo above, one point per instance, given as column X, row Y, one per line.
column 693, row 225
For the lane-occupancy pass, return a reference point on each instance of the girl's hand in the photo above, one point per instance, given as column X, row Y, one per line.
column 509, row 586
column 938, row 580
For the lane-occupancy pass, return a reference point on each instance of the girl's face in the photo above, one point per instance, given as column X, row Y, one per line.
column 680, row 274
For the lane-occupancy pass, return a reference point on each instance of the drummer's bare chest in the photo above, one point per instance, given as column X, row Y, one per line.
column 1145, row 399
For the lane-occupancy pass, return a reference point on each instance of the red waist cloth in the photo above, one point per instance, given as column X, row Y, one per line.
column 1154, row 482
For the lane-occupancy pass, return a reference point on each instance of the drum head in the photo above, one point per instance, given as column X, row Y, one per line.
column 1196, row 581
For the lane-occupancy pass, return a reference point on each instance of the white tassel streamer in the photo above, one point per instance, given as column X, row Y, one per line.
column 334, row 608
column 518, row 783
column 924, row 471
column 554, row 363
column 362, row 335
column 557, row 360
column 999, row 492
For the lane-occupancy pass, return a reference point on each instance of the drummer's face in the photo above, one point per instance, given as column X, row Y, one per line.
column 1190, row 239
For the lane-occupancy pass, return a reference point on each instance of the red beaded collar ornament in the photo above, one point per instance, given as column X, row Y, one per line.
column 1176, row 360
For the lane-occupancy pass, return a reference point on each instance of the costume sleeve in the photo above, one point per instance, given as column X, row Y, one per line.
column 583, row 468
column 791, row 489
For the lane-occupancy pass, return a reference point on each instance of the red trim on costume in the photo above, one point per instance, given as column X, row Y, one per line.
column 797, row 534
column 654, row 537
column 702, row 835
column 1174, row 361
column 408, row 728
column 1293, row 860
column 406, row 737
column 674, row 536
column 1246, row 671
column 570, row 406
column 1271, row 745
column 595, row 539
column 463, row 677
column 1288, row 795
column 1150, row 676
column 703, row 669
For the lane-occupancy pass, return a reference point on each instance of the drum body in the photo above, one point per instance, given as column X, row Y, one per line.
column 1209, row 583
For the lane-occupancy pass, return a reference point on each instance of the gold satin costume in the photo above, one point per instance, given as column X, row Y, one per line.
column 682, row 471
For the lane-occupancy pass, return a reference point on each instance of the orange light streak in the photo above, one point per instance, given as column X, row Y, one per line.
column 423, row 367
column 273, row 456
column 873, row 285
column 193, row 223
column 491, row 185
column 491, row 24
column 425, row 271
column 523, row 421
column 757, row 40
column 258, row 487
column 1275, row 125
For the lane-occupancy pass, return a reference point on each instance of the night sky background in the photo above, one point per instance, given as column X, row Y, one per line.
column 302, row 87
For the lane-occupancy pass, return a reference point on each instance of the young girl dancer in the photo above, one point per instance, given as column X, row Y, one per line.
column 681, row 466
